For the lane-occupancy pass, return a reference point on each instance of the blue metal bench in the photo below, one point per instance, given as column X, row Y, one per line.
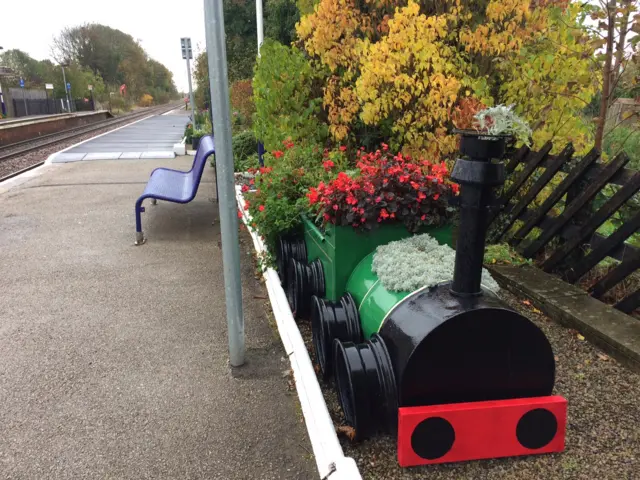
column 174, row 185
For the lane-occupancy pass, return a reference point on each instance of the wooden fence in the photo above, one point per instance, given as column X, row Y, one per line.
column 568, row 243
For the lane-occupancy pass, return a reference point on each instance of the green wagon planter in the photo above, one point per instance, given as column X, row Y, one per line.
column 340, row 249
column 321, row 262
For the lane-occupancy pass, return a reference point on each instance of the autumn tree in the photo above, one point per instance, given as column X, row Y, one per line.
column 617, row 22
column 401, row 68
column 116, row 57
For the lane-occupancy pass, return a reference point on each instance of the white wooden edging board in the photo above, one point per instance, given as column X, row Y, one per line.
column 330, row 459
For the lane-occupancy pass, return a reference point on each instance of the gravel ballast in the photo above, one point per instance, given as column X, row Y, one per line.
column 603, row 427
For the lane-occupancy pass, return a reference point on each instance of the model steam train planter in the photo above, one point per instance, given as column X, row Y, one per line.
column 451, row 370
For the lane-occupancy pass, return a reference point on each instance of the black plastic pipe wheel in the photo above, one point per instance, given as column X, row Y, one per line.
column 289, row 247
column 330, row 321
column 304, row 281
column 366, row 386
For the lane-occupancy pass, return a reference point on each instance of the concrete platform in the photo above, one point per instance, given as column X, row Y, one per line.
column 149, row 138
column 12, row 121
column 14, row 130
column 114, row 357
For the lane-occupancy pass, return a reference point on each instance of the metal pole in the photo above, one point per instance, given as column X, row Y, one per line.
column 219, row 83
column 66, row 92
column 259, row 22
column 193, row 103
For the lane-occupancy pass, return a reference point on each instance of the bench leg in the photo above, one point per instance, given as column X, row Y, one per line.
column 154, row 201
column 139, row 235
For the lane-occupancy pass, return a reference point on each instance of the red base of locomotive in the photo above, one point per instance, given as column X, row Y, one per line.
column 481, row 430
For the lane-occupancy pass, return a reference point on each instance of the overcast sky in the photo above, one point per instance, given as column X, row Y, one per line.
column 157, row 25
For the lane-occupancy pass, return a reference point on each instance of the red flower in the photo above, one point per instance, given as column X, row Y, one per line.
column 404, row 178
column 455, row 188
column 436, row 196
column 313, row 195
column 423, row 217
column 343, row 148
column 277, row 153
column 326, row 217
column 384, row 214
column 385, row 147
column 335, row 207
column 245, row 188
column 239, row 214
column 288, row 143
column 378, row 199
column 261, row 208
column 246, row 204
column 421, row 196
column 328, row 165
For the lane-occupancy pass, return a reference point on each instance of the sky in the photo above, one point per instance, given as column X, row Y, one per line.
column 158, row 25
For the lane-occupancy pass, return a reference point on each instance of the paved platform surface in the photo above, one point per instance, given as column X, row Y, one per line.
column 114, row 357
column 12, row 121
column 150, row 138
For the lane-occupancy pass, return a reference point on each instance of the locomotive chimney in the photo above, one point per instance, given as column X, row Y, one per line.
column 478, row 176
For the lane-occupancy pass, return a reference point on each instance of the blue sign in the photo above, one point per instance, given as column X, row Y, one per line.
column 68, row 86
column 21, row 83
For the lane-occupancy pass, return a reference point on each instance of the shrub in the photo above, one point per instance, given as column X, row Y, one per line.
column 281, row 187
column 244, row 145
column 402, row 67
column 188, row 132
column 286, row 93
column 146, row 100
column 386, row 189
column 242, row 102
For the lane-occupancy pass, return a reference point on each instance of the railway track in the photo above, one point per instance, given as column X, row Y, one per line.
column 18, row 149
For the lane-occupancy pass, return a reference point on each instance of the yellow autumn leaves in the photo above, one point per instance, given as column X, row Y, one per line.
column 403, row 67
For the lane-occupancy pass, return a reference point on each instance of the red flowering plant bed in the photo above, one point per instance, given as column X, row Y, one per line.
column 387, row 188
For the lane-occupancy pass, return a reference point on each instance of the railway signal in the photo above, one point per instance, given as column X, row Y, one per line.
column 187, row 54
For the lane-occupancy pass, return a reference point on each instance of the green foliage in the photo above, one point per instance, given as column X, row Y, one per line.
column 281, row 187
column 244, row 145
column 188, row 132
column 503, row 254
column 305, row 7
column 623, row 138
column 36, row 73
column 241, row 33
column 202, row 94
column 280, row 18
column 287, row 97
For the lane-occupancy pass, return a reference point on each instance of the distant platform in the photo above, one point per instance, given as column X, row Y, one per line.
column 15, row 121
column 14, row 130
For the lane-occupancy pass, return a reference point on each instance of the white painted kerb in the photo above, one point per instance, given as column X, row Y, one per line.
column 330, row 459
